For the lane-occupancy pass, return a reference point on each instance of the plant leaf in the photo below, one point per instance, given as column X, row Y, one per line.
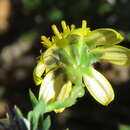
column 124, row 127
column 35, row 115
column 47, row 123
column 33, row 98
column 18, row 111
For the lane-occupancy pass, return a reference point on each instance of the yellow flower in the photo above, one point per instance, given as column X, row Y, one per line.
column 69, row 58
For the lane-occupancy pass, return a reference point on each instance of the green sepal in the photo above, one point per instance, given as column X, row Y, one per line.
column 94, row 56
column 65, row 57
column 90, row 44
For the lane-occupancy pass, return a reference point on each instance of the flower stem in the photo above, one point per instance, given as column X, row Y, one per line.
column 76, row 92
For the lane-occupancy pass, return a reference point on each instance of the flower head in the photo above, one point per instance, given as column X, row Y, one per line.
column 69, row 59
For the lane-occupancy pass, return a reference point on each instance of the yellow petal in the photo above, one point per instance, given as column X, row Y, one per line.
column 51, row 85
column 56, row 31
column 51, row 58
column 38, row 72
column 104, row 36
column 72, row 27
column 46, row 42
column 47, row 91
column 116, row 55
column 64, row 93
column 99, row 87
column 64, row 26
column 84, row 24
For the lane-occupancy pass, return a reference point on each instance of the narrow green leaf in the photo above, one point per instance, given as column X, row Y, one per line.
column 35, row 115
column 33, row 98
column 18, row 111
column 47, row 123
column 29, row 116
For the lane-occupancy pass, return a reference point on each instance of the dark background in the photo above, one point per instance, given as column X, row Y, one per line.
column 22, row 22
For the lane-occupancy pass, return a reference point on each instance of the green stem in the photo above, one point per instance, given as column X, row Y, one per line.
column 68, row 101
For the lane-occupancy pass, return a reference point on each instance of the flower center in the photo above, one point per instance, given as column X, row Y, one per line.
column 75, row 59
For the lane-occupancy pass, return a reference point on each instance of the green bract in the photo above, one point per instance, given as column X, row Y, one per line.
column 67, row 64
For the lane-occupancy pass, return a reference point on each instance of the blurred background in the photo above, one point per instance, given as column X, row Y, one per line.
column 22, row 22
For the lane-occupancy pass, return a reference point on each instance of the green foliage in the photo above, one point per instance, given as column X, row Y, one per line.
column 33, row 99
column 36, row 116
column 105, row 8
column 32, row 3
column 46, row 123
column 77, row 92
column 124, row 127
column 29, row 36
column 19, row 113
column 128, row 36
column 2, row 91
column 55, row 14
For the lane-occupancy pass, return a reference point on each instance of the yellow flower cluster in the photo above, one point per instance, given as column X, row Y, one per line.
column 69, row 58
